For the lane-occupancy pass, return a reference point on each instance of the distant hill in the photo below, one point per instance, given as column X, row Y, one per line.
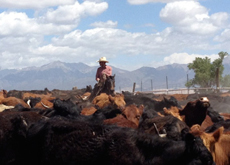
column 64, row 76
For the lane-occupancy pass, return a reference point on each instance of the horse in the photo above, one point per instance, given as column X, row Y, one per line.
column 107, row 86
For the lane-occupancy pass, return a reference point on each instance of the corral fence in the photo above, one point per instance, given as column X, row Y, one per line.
column 186, row 90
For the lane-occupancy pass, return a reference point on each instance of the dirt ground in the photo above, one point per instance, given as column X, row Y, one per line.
column 219, row 102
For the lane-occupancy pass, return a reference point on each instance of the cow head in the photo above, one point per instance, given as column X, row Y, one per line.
column 203, row 102
column 133, row 113
column 118, row 101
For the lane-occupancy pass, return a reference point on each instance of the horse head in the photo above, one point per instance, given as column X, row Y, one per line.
column 109, row 86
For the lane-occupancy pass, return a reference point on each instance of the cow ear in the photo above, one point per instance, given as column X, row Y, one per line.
column 218, row 133
column 111, row 98
column 141, row 108
column 165, row 99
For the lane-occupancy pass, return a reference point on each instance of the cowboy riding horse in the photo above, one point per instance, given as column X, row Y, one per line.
column 105, row 85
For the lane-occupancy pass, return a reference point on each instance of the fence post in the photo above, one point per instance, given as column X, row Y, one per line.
column 217, row 80
column 187, row 83
column 151, row 84
column 167, row 84
column 141, row 85
column 134, row 86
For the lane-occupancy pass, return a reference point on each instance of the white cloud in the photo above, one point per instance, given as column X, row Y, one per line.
column 92, row 43
column 114, row 41
column 19, row 24
column 34, row 4
column 220, row 19
column 185, row 58
column 189, row 17
column 23, row 38
column 224, row 36
column 108, row 24
column 71, row 14
column 183, row 13
column 54, row 22
column 139, row 2
column 94, row 8
column 94, row 0
column 108, row 41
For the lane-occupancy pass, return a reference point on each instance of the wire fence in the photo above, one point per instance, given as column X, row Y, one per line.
column 171, row 88
column 188, row 90
column 150, row 84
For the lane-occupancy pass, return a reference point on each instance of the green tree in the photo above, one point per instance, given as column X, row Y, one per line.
column 202, row 68
column 205, row 71
column 218, row 63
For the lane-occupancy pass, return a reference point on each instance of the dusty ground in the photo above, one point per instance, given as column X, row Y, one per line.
column 219, row 102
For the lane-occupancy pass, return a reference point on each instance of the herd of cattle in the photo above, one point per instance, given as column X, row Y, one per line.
column 64, row 127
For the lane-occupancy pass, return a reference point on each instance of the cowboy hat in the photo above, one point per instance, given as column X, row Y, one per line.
column 102, row 59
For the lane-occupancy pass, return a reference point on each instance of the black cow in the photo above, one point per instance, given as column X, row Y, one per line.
column 151, row 103
column 215, row 126
column 67, row 109
column 195, row 111
column 72, row 95
column 63, row 141
column 169, row 125
column 214, row 115
column 13, row 131
column 19, row 93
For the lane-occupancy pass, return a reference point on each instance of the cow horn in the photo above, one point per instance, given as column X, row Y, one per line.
column 79, row 96
column 44, row 105
column 28, row 102
column 161, row 135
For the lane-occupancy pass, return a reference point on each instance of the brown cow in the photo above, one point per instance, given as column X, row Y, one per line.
column 84, row 96
column 206, row 123
column 133, row 112
column 104, row 100
column 44, row 104
column 121, row 121
column 3, row 94
column 88, row 110
column 45, row 99
column 101, row 100
column 42, row 96
column 226, row 116
column 217, row 143
column 174, row 111
column 13, row 101
column 129, row 118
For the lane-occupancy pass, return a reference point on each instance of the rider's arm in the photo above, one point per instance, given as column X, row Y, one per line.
column 109, row 70
column 98, row 75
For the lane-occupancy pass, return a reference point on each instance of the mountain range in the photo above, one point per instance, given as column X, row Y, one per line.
column 65, row 76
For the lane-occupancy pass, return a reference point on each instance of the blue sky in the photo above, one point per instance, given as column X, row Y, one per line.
column 130, row 33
